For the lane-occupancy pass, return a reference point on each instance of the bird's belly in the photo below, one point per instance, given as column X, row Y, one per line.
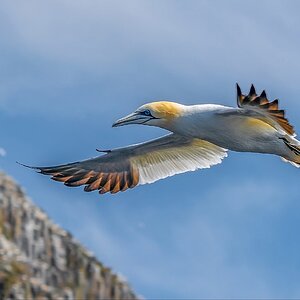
column 243, row 134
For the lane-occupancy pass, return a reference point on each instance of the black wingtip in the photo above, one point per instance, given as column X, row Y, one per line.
column 263, row 94
column 252, row 90
column 238, row 89
column 26, row 166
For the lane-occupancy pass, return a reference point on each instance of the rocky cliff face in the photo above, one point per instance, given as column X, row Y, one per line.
column 39, row 260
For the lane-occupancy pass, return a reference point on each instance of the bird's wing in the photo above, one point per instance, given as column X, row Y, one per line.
column 127, row 167
column 261, row 108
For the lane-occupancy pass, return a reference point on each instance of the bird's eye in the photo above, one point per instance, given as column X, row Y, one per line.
column 146, row 112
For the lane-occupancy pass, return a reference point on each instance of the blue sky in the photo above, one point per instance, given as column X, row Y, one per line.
column 69, row 69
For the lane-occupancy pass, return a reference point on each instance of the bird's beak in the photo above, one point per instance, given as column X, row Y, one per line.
column 134, row 118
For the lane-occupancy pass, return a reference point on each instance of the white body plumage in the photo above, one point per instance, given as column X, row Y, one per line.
column 229, row 128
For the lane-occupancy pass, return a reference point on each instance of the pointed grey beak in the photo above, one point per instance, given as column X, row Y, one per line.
column 134, row 118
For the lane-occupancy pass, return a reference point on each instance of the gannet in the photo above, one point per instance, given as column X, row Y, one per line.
column 200, row 137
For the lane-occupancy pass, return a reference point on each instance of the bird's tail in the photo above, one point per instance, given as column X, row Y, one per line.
column 294, row 147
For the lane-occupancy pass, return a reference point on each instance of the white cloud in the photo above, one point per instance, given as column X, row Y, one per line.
column 2, row 152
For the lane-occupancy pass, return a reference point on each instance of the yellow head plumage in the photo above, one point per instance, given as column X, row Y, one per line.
column 160, row 114
column 164, row 109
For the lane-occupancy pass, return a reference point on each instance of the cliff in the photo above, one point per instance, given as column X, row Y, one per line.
column 40, row 260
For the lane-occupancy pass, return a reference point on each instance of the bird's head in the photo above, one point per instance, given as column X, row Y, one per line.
column 160, row 114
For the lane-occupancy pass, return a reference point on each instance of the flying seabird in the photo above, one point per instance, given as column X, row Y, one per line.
column 200, row 137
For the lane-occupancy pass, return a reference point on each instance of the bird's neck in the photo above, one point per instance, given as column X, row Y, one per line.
column 191, row 120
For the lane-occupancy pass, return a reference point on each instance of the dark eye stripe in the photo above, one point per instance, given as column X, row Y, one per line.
column 146, row 113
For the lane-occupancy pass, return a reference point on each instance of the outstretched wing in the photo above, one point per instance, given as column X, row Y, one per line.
column 261, row 108
column 127, row 167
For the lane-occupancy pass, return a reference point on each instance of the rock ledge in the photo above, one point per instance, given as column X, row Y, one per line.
column 40, row 260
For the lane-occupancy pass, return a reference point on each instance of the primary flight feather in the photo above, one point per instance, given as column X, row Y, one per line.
column 200, row 136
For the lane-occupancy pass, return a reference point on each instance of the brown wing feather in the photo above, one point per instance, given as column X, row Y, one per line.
column 262, row 102
column 102, row 173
